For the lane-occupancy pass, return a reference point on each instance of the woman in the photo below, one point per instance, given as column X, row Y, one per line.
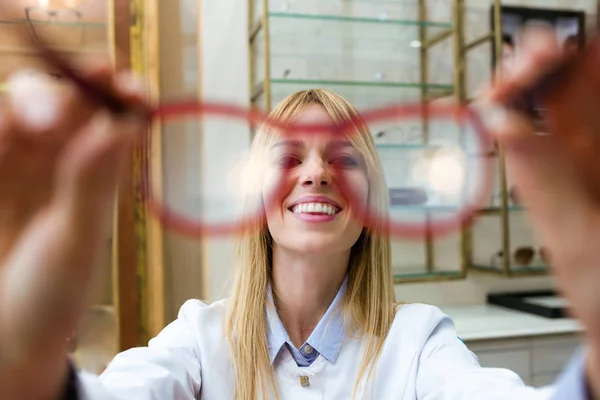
column 312, row 310
column 312, row 313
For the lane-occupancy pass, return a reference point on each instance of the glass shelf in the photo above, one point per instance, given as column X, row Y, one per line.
column 400, row 11
column 514, row 270
column 72, row 24
column 425, row 276
column 498, row 210
column 433, row 146
column 406, row 146
column 352, row 19
column 367, row 33
column 70, row 36
column 57, row 23
column 424, row 208
column 322, row 83
column 370, row 55
column 362, row 94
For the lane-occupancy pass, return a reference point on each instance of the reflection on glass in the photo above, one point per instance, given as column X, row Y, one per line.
column 446, row 172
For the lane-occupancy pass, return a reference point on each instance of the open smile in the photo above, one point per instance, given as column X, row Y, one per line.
column 320, row 210
column 315, row 208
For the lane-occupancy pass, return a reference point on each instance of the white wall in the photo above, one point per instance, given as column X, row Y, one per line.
column 224, row 62
column 225, row 78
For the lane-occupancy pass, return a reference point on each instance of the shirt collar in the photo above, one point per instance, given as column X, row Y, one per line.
column 327, row 336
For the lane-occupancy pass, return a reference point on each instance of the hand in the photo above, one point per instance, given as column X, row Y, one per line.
column 557, row 177
column 60, row 160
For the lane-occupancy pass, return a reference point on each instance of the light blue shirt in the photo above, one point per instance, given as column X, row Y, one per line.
column 327, row 338
column 572, row 383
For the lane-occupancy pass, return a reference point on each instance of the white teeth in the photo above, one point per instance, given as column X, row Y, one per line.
column 322, row 208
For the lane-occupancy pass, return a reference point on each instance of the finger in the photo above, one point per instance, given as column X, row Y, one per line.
column 573, row 116
column 41, row 117
column 550, row 170
column 123, row 84
column 68, row 233
column 131, row 88
column 91, row 165
column 66, row 236
column 546, row 179
column 90, row 168
column 537, row 54
column 50, row 109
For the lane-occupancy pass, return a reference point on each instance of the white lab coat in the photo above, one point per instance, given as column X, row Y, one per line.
column 422, row 359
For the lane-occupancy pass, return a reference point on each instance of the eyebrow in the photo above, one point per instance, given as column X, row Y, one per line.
column 301, row 144
column 290, row 143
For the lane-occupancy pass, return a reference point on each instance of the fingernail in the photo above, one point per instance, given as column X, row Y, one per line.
column 34, row 100
column 497, row 116
column 493, row 116
column 130, row 83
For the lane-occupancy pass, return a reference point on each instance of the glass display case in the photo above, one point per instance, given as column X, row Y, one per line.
column 373, row 53
column 384, row 52
column 501, row 240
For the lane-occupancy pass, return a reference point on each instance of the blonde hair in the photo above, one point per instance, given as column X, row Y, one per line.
column 368, row 305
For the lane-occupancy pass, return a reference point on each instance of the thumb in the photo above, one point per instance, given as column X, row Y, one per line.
column 544, row 168
column 88, row 172
column 543, row 173
column 43, row 287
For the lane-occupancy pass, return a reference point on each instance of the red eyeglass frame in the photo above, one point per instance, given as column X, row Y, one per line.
column 254, row 117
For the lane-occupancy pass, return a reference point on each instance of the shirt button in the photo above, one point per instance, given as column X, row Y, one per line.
column 308, row 349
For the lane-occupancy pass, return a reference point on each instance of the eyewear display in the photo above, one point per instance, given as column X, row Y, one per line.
column 514, row 196
column 407, row 196
column 523, row 256
column 452, row 169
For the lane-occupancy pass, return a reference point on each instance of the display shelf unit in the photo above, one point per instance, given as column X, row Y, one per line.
column 509, row 217
column 512, row 229
column 280, row 54
column 371, row 56
column 360, row 51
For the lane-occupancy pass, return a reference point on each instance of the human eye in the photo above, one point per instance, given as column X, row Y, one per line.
column 345, row 161
column 287, row 161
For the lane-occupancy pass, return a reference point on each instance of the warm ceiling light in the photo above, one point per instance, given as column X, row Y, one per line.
column 72, row 3
column 59, row 3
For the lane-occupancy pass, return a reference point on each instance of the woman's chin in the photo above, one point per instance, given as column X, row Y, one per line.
column 318, row 243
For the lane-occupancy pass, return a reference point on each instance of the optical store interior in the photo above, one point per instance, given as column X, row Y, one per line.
column 169, row 231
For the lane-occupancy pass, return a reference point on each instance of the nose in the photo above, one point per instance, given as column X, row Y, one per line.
column 315, row 174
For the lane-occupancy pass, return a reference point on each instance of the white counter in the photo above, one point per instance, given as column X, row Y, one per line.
column 483, row 322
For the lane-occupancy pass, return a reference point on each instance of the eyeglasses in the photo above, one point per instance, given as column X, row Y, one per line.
column 523, row 256
column 451, row 168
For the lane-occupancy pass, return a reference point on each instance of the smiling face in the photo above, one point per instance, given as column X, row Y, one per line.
column 321, row 185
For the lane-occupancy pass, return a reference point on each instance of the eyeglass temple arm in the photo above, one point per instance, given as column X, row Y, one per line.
column 97, row 92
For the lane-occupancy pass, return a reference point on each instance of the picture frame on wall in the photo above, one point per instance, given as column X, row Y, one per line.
column 567, row 25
